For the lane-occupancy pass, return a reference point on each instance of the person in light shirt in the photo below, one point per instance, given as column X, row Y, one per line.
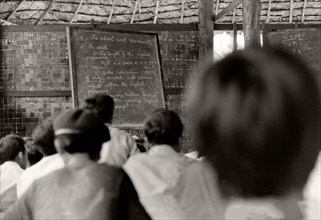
column 13, row 160
column 43, row 138
column 170, row 185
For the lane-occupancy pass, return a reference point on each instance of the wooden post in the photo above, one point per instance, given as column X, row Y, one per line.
column 251, row 22
column 205, row 28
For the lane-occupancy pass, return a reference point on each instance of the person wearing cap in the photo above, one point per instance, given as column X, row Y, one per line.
column 83, row 189
column 121, row 146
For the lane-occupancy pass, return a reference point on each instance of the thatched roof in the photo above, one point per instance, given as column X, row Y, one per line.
column 147, row 11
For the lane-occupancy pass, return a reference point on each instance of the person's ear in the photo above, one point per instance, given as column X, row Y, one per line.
column 22, row 160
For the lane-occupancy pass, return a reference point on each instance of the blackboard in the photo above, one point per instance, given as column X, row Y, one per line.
column 125, row 65
column 305, row 43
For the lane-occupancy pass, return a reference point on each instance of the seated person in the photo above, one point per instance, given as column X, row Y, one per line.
column 121, row 146
column 83, row 189
column 256, row 117
column 170, row 185
column 43, row 139
column 13, row 160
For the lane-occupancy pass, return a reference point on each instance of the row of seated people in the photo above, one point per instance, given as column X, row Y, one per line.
column 255, row 116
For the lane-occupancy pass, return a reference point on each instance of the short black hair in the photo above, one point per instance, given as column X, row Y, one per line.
column 75, row 143
column 256, row 117
column 43, row 137
column 163, row 127
column 102, row 105
column 33, row 154
column 10, row 146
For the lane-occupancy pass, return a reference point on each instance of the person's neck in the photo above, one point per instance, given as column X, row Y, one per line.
column 76, row 160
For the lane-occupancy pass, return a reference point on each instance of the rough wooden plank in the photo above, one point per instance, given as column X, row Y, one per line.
column 251, row 22
column 206, row 28
column 226, row 10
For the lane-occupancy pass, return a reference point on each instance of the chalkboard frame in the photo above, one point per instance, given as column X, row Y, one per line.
column 73, row 74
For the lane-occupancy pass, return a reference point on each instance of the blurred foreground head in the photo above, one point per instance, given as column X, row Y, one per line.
column 80, row 131
column 256, row 118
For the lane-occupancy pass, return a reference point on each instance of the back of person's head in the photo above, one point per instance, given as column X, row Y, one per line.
column 10, row 147
column 33, row 154
column 163, row 127
column 256, row 118
column 102, row 105
column 80, row 131
column 43, row 137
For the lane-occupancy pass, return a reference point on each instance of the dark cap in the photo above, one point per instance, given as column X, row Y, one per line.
column 81, row 122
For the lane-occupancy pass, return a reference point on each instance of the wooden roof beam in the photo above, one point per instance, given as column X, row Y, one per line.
column 216, row 8
column 303, row 10
column 156, row 12
column 47, row 10
column 111, row 12
column 268, row 12
column 6, row 22
column 76, row 12
column 205, row 28
column 182, row 11
column 251, row 22
column 15, row 10
column 226, row 10
column 137, row 3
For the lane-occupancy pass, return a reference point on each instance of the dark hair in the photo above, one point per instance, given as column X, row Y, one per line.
column 43, row 137
column 10, row 146
column 33, row 154
column 102, row 105
column 163, row 127
column 256, row 118
column 75, row 143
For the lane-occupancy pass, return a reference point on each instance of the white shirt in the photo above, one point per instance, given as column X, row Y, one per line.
column 312, row 192
column 116, row 151
column 45, row 166
column 10, row 171
column 171, row 186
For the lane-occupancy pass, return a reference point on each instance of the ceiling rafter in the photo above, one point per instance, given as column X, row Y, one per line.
column 111, row 12
column 182, row 11
column 291, row 11
column 76, row 12
column 269, row 11
column 46, row 12
column 15, row 10
column 226, row 10
column 137, row 3
column 303, row 10
column 156, row 11
column 6, row 22
column 216, row 8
